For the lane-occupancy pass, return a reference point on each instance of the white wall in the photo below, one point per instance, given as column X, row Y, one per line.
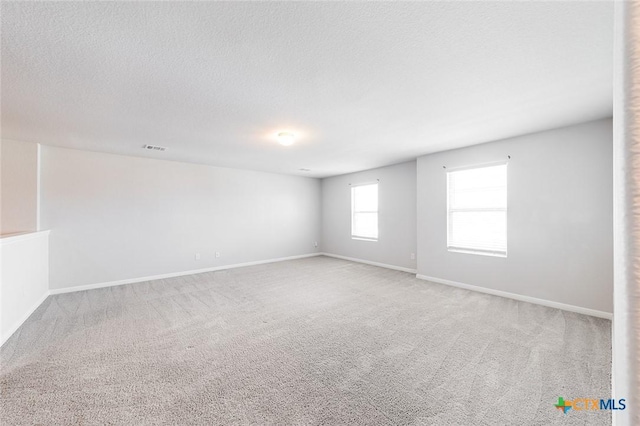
column 24, row 279
column 396, row 216
column 560, row 232
column 117, row 218
column 626, row 187
column 19, row 186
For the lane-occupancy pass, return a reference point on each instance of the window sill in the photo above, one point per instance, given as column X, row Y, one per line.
column 363, row 238
column 478, row 252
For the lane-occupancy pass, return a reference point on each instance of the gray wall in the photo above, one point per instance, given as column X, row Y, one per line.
column 115, row 218
column 18, row 186
column 396, row 216
column 560, row 232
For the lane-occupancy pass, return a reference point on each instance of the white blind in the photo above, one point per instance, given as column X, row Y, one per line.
column 477, row 210
column 364, row 211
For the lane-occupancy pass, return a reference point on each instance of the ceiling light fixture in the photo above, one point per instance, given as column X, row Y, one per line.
column 155, row 147
column 286, row 138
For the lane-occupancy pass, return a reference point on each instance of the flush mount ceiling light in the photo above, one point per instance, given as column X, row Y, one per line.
column 286, row 138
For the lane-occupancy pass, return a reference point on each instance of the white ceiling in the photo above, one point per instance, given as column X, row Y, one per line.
column 361, row 84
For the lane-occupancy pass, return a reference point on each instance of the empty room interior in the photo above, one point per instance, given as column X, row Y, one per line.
column 319, row 213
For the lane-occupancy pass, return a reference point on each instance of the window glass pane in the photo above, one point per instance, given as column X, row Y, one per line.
column 366, row 198
column 483, row 177
column 364, row 211
column 365, row 225
column 478, row 230
column 477, row 209
column 483, row 198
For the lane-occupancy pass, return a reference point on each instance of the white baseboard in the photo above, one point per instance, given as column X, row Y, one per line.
column 368, row 262
column 21, row 321
column 175, row 274
column 529, row 299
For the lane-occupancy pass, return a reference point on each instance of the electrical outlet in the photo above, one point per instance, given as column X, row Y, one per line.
column 413, row 256
column 315, row 244
column 217, row 254
column 197, row 256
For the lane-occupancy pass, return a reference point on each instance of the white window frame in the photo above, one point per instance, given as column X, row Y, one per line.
column 475, row 250
column 354, row 236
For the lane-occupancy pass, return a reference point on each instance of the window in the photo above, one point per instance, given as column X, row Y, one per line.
column 364, row 211
column 477, row 210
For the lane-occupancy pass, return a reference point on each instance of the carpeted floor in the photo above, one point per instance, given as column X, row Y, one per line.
column 310, row 341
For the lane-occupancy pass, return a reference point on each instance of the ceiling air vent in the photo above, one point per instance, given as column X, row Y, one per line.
column 155, row 148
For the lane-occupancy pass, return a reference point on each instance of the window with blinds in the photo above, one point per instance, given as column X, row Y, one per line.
column 477, row 210
column 364, row 211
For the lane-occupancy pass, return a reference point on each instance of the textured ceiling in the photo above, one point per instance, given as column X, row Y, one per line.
column 361, row 84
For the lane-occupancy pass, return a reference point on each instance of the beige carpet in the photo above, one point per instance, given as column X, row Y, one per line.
column 312, row 341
